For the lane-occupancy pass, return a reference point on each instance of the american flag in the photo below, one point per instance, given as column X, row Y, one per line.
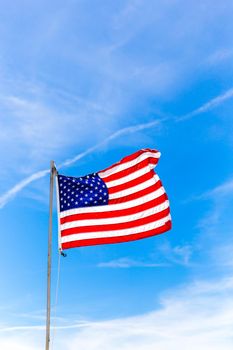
column 122, row 203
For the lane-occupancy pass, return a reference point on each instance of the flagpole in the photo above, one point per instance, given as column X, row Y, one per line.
column 52, row 174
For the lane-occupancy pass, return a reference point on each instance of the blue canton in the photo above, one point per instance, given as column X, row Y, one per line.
column 79, row 192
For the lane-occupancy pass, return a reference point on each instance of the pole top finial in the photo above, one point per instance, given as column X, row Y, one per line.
column 53, row 167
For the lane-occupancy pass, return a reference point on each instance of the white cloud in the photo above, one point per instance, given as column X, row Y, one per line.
column 198, row 315
column 214, row 241
column 225, row 189
column 24, row 342
column 41, row 129
column 180, row 255
column 219, row 197
column 165, row 256
column 127, row 263
column 124, row 131
column 220, row 56
column 215, row 102
column 9, row 195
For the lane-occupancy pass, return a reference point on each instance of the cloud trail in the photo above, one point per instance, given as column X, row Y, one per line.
column 7, row 196
column 127, row 130
column 208, row 106
column 10, row 194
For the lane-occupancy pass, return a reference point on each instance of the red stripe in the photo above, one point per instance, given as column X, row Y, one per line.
column 120, row 239
column 115, row 213
column 119, row 226
column 132, row 183
column 136, row 195
column 143, row 164
column 130, row 157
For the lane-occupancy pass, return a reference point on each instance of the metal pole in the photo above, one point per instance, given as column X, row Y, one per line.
column 52, row 174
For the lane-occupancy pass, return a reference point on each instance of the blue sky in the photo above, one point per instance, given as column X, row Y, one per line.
column 86, row 83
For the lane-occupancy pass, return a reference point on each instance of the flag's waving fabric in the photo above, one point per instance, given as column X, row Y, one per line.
column 122, row 203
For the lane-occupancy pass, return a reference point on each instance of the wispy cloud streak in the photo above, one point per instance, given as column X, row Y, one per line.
column 208, row 106
column 42, row 327
column 220, row 191
column 128, row 263
column 9, row 195
column 124, row 131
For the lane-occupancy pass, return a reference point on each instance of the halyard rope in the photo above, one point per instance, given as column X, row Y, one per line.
column 56, row 301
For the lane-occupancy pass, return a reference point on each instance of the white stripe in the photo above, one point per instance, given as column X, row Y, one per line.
column 133, row 189
column 112, row 207
column 117, row 220
column 129, row 177
column 123, row 166
column 58, row 213
column 116, row 233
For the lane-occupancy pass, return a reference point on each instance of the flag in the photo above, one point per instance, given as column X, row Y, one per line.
column 122, row 203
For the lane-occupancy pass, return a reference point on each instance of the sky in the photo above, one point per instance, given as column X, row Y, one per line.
column 85, row 83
